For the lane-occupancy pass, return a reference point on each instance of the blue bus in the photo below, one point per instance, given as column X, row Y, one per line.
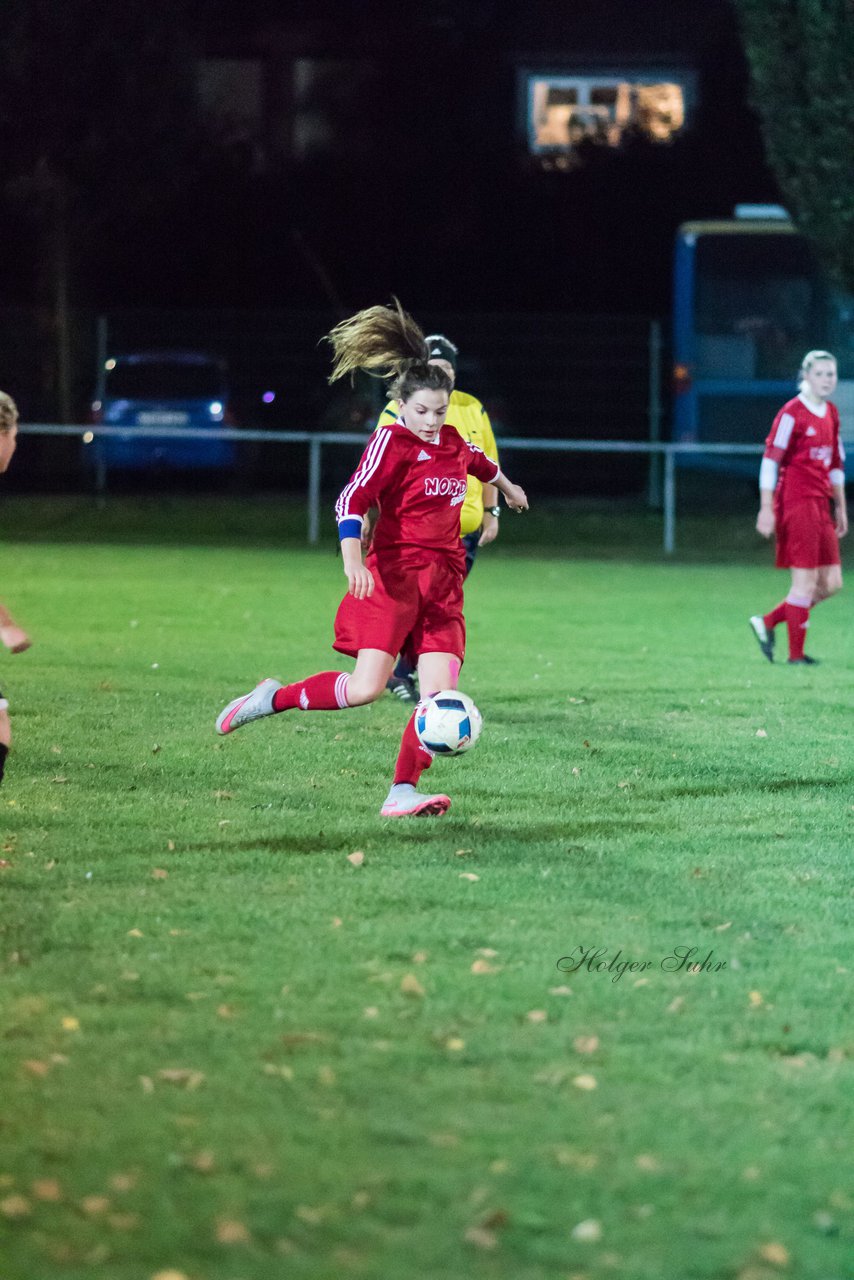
column 749, row 302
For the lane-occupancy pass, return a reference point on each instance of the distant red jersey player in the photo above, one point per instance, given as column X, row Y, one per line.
column 802, row 472
column 408, row 595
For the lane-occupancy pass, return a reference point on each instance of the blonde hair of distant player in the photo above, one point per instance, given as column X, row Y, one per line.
column 811, row 358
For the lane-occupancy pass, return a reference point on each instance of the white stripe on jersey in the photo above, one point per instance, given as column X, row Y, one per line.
column 841, row 451
column 373, row 458
column 473, row 448
column 784, row 432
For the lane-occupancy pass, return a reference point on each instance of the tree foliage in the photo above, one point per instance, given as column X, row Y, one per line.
column 801, row 54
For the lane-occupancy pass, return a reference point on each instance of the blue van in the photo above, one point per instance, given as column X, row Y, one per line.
column 162, row 389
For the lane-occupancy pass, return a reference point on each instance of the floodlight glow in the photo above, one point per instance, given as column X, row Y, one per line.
column 268, row 397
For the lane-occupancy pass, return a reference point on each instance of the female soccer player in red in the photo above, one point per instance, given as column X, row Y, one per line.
column 802, row 469
column 408, row 595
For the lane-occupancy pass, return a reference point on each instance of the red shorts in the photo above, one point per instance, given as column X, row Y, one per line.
column 416, row 607
column 806, row 537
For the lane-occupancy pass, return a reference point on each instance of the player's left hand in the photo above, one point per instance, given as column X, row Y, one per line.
column 15, row 638
column 488, row 530
column 515, row 497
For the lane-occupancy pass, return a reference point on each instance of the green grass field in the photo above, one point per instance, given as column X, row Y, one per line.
column 230, row 1053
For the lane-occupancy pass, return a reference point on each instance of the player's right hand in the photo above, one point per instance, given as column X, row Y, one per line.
column 360, row 582
column 765, row 522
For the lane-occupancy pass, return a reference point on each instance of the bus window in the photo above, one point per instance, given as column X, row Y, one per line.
column 763, row 296
column 749, row 301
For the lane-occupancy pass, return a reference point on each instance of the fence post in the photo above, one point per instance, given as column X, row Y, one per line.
column 654, row 410
column 669, row 501
column 314, row 491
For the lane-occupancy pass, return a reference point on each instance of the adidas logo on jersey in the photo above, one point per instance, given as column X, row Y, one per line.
column 811, row 431
column 424, row 457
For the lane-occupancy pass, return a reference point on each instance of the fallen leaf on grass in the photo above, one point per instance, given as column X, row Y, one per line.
column 181, row 1076
column 585, row 1082
column 483, row 966
column 47, row 1189
column 232, row 1231
column 676, row 1005
column 461, row 853
column 203, row 1162
column 326, row 1076
column 755, row 998
column 420, row 957
column 775, row 1253
column 159, row 873
column 70, row 1024
column 135, row 933
column 455, row 1044
column 589, row 1231
column 468, row 875
column 170, row 845
column 34, row 1067
column 560, row 991
column 761, row 733
column 282, row 1070
column 648, row 1163
column 15, row 1206
column 489, row 952
column 225, row 1011
column 585, row 1044
column 123, row 1181
column 124, row 1221
column 721, row 928
column 410, row 986
column 170, row 1275
column 146, row 1084
column 356, row 857
column 312, row 1216
column 94, row 1205
column 481, row 1238
column 536, row 1015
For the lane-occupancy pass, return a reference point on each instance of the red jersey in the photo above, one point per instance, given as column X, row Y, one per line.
column 808, row 451
column 418, row 488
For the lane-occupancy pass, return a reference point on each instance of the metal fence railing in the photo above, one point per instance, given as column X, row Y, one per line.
column 316, row 442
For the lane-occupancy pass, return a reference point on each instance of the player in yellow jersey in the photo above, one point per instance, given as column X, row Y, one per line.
column 480, row 510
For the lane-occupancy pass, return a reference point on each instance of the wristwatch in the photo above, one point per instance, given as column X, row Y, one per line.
column 493, row 511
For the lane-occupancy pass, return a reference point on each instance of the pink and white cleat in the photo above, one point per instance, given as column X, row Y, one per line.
column 403, row 801
column 251, row 706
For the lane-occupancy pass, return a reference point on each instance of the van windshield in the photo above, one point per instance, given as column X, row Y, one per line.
column 164, row 380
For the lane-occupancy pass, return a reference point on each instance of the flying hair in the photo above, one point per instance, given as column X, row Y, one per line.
column 381, row 341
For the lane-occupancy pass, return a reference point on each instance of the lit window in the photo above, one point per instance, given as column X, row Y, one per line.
column 562, row 111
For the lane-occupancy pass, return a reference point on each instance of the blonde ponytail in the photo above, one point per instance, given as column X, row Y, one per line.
column 382, row 341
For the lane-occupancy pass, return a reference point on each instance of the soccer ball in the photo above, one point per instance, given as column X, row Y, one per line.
column 447, row 723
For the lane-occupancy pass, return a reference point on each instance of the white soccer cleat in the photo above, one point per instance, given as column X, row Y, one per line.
column 764, row 637
column 251, row 706
column 403, row 801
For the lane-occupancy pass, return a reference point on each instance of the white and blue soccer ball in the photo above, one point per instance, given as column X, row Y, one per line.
column 447, row 723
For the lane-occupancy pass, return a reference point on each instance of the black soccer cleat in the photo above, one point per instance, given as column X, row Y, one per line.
column 764, row 637
column 403, row 687
column 805, row 661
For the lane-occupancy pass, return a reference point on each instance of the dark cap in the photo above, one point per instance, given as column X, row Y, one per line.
column 441, row 348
